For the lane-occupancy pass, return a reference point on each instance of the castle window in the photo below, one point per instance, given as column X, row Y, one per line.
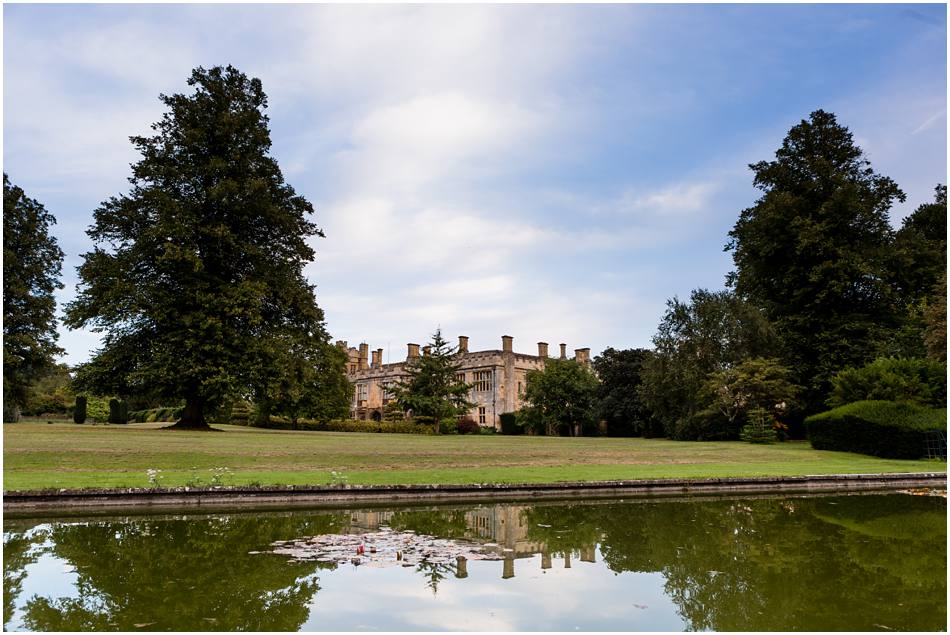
column 483, row 381
column 481, row 416
column 460, row 378
column 361, row 391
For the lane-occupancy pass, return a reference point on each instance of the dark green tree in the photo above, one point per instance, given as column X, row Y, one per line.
column 754, row 384
column 197, row 278
column 561, row 398
column 314, row 384
column 32, row 263
column 431, row 387
column 713, row 332
column 813, row 252
column 935, row 322
column 620, row 403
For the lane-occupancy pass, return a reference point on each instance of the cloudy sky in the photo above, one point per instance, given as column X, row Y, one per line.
column 552, row 173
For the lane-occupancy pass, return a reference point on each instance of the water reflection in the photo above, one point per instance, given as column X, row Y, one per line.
column 823, row 563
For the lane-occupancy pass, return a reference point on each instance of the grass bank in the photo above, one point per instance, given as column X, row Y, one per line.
column 63, row 455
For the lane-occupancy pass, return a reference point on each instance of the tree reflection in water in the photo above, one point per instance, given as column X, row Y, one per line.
column 819, row 563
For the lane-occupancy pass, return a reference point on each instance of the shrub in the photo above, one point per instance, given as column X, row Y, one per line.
column 79, row 411
column 349, row 425
column 509, row 423
column 759, row 429
column 468, row 425
column 118, row 411
column 890, row 429
column 920, row 381
column 155, row 415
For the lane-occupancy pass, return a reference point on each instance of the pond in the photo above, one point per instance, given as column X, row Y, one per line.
column 858, row 562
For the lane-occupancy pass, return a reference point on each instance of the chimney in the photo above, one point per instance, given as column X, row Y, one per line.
column 413, row 351
column 364, row 356
column 377, row 355
column 506, row 343
column 563, row 351
column 463, row 343
column 582, row 355
column 542, row 349
column 341, row 344
column 426, row 350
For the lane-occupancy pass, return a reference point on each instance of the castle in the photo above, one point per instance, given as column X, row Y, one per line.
column 497, row 377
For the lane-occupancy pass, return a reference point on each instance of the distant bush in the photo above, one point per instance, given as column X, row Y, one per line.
column 920, row 381
column 509, row 423
column 156, row 414
column 118, row 411
column 888, row 429
column 79, row 410
column 468, row 425
column 349, row 425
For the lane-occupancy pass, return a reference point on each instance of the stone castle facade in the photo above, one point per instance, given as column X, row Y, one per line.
column 498, row 377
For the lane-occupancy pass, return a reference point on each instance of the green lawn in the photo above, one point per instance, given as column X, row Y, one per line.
column 65, row 455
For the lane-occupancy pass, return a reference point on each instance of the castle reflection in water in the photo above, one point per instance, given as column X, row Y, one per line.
column 501, row 525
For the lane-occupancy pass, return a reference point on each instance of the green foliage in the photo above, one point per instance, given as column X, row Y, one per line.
column 714, row 331
column 759, row 428
column 509, row 423
column 890, row 429
column 562, row 398
column 118, row 411
column 51, row 394
column 349, row 425
column 935, row 322
column 197, row 279
column 919, row 381
column 313, row 384
column 32, row 263
column 621, row 404
column 814, row 252
column 155, row 414
column 79, row 411
column 730, row 396
column 431, row 387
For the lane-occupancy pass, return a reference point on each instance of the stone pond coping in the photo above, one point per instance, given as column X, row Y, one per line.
column 239, row 497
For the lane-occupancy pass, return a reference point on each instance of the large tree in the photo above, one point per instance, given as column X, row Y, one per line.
column 813, row 251
column 197, row 277
column 32, row 263
column 620, row 403
column 562, row 397
column 712, row 332
column 431, row 387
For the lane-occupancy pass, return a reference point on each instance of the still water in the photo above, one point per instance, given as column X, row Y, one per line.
column 860, row 562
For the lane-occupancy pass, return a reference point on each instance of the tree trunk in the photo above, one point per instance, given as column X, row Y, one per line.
column 193, row 416
column 438, row 426
column 11, row 412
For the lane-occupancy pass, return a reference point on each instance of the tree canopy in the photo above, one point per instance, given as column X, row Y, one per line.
column 32, row 264
column 712, row 332
column 813, row 251
column 560, row 398
column 620, row 403
column 197, row 279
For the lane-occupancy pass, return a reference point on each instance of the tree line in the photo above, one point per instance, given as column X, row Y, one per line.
column 196, row 284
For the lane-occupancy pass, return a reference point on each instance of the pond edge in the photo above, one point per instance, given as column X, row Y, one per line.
column 328, row 495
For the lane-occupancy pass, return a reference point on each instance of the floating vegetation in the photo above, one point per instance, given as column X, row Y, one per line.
column 384, row 548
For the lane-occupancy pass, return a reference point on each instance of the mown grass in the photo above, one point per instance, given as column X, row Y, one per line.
column 63, row 455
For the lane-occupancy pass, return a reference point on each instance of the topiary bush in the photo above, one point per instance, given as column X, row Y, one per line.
column 896, row 430
column 920, row 381
column 468, row 425
column 509, row 423
column 79, row 411
column 118, row 411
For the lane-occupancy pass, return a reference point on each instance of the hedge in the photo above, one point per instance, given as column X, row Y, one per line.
column 351, row 425
column 156, row 414
column 890, row 429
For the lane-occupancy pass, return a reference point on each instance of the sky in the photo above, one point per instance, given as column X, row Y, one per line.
column 551, row 172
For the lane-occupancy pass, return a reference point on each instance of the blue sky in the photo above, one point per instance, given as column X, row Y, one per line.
column 550, row 172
